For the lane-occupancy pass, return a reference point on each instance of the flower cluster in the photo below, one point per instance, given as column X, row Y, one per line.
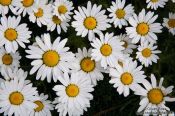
column 123, row 57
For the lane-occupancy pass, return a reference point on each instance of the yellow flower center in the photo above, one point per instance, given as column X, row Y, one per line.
column 154, row 1
column 72, row 90
column 27, row 3
column 146, row 52
column 56, row 20
column 11, row 34
column 155, row 96
column 51, row 58
column 62, row 9
column 7, row 59
column 40, row 106
column 106, row 50
column 5, row 2
column 90, row 23
column 87, row 65
column 126, row 78
column 125, row 45
column 171, row 23
column 120, row 13
column 39, row 13
column 16, row 98
column 142, row 29
column 120, row 63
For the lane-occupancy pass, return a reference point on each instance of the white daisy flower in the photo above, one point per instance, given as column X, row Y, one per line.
column 17, row 97
column 43, row 108
column 143, row 27
column 74, row 95
column 8, row 60
column 51, row 60
column 5, row 5
column 128, row 45
column 123, row 59
column 153, row 97
column 147, row 54
column 24, row 7
column 55, row 22
column 173, row 1
column 62, row 9
column 87, row 67
column 43, row 14
column 12, row 33
column 120, row 13
column 107, row 50
column 11, row 74
column 90, row 20
column 154, row 4
column 170, row 23
column 127, row 77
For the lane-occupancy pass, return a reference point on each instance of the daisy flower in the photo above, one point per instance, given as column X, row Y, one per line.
column 120, row 13
column 147, row 54
column 8, row 60
column 74, row 95
column 87, row 67
column 173, row 1
column 123, row 59
column 154, row 96
column 12, row 33
column 107, row 49
column 43, row 108
column 24, row 7
column 90, row 20
column 62, row 9
column 128, row 45
column 5, row 5
column 55, row 22
column 143, row 27
column 170, row 23
column 17, row 97
column 11, row 74
column 154, row 4
column 51, row 60
column 43, row 13
column 127, row 77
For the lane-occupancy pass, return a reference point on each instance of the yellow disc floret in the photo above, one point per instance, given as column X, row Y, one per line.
column 126, row 78
column 142, row 29
column 39, row 13
column 106, row 50
column 125, row 45
column 155, row 96
column 27, row 3
column 171, row 23
column 40, row 106
column 154, row 1
column 16, row 98
column 7, row 59
column 62, row 9
column 72, row 90
column 51, row 58
column 11, row 34
column 87, row 65
column 90, row 23
column 5, row 2
column 120, row 13
column 56, row 20
column 146, row 52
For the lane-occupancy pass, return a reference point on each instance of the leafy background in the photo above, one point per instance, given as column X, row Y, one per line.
column 107, row 102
